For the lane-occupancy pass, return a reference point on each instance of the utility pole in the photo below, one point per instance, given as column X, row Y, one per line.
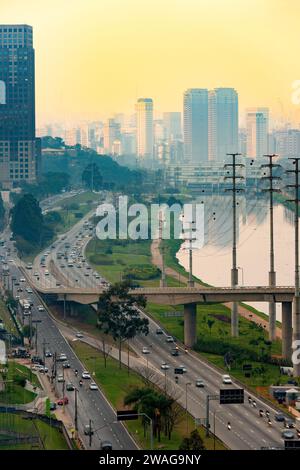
column 272, row 273
column 296, row 303
column 163, row 271
column 76, row 412
column 190, row 238
column 234, row 271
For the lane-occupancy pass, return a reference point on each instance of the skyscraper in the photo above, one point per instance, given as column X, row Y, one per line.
column 172, row 125
column 144, row 111
column 195, row 122
column 19, row 148
column 111, row 132
column 257, row 122
column 222, row 123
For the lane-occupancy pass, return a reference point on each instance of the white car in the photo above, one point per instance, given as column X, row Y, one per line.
column 60, row 378
column 145, row 350
column 85, row 375
column 36, row 274
column 93, row 386
column 46, row 272
column 79, row 335
column 22, row 279
column 226, row 379
column 165, row 366
column 169, row 339
column 41, row 308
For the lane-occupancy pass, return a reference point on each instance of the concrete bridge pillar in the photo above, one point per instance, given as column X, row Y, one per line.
column 296, row 332
column 190, row 324
column 287, row 329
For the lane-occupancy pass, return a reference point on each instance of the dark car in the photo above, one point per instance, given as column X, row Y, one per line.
column 289, row 423
column 52, row 406
column 66, row 365
column 174, row 352
column 106, row 445
column 288, row 434
column 70, row 387
column 159, row 331
column 280, row 418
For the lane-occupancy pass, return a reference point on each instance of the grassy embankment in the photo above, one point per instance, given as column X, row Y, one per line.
column 7, row 320
column 14, row 392
column 52, row 438
column 116, row 384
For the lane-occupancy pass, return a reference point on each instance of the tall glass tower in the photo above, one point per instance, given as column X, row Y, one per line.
column 19, row 148
column 195, row 125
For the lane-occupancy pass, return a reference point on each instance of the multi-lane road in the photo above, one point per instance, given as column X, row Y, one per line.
column 248, row 429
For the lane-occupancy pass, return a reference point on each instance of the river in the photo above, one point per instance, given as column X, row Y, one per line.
column 212, row 263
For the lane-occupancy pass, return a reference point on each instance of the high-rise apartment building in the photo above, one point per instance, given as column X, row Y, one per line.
column 19, row 149
column 257, row 123
column 222, row 123
column 111, row 132
column 144, row 121
column 195, row 122
column 172, row 125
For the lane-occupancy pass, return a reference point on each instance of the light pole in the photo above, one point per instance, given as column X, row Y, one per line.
column 186, row 407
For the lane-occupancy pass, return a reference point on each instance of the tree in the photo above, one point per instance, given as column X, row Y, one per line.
column 91, row 177
column 194, row 442
column 210, row 324
column 118, row 314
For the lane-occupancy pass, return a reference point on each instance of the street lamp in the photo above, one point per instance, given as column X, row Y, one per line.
column 186, row 406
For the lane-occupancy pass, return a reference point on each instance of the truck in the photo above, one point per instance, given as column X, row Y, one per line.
column 25, row 306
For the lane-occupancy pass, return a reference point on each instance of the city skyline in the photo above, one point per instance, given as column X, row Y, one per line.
column 127, row 61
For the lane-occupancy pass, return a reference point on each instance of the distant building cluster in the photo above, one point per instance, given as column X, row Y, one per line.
column 193, row 142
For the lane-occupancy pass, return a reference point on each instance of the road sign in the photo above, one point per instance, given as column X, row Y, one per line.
column 126, row 415
column 231, row 396
column 292, row 444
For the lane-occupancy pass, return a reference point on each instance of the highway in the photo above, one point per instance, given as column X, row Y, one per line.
column 248, row 430
column 91, row 404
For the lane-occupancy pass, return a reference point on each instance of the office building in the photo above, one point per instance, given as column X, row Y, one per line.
column 172, row 126
column 111, row 132
column 19, row 149
column 144, row 121
column 257, row 123
column 222, row 123
column 195, row 122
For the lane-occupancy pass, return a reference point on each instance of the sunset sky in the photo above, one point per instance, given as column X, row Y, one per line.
column 95, row 57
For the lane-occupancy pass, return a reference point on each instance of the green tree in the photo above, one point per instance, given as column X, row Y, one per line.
column 193, row 442
column 118, row 314
column 91, row 177
column 210, row 324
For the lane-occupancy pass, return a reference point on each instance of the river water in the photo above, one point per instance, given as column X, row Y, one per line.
column 212, row 263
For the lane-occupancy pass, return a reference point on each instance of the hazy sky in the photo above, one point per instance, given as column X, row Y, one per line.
column 95, row 57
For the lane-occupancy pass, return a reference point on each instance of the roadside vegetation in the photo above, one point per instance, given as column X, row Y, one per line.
column 16, row 380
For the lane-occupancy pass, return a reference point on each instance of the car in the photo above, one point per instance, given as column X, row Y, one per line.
column 62, row 265
column 165, row 366
column 36, row 274
column 22, row 279
column 60, row 378
column 184, row 369
column 199, row 383
column 88, row 430
column 93, row 386
column 279, row 417
column 159, row 331
column 48, row 353
column 86, row 274
column 175, row 352
column 46, row 272
column 289, row 423
column 17, row 297
column 52, row 406
column 43, row 369
column 145, row 350
column 62, row 357
column 29, row 290
column 70, row 387
column 40, row 308
column 287, row 434
column 63, row 401
column 226, row 379
column 106, row 445
column 88, row 267
column 66, row 365
column 85, row 375
column 79, row 335
column 169, row 339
